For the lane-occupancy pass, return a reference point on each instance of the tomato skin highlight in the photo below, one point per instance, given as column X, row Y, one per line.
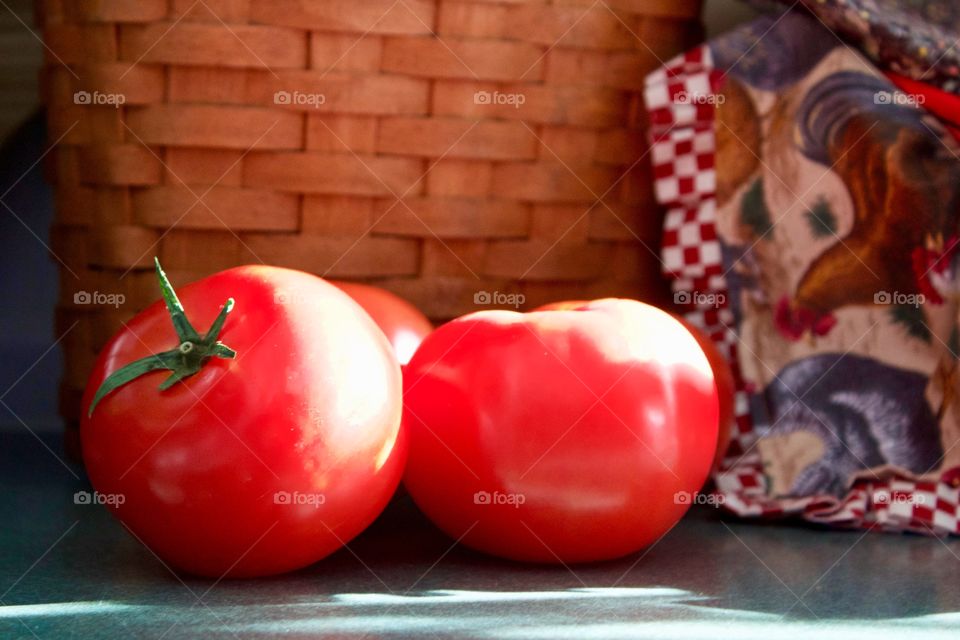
column 722, row 375
column 563, row 305
column 310, row 407
column 403, row 324
column 499, row 403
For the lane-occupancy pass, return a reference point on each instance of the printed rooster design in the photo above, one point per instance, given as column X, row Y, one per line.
column 902, row 180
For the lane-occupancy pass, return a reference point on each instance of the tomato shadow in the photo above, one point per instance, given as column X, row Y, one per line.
column 707, row 562
column 404, row 578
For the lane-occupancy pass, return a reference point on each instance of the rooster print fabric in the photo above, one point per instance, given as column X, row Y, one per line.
column 812, row 232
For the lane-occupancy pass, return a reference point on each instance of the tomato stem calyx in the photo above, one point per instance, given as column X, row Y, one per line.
column 185, row 359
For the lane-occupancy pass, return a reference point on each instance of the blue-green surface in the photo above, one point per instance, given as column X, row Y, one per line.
column 70, row 571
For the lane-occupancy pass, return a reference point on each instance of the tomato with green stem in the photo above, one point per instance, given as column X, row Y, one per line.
column 257, row 447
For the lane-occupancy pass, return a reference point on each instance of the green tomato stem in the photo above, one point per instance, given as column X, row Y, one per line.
column 185, row 359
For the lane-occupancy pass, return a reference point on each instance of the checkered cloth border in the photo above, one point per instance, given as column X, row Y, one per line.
column 680, row 100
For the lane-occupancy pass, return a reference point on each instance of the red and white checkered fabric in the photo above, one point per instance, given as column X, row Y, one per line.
column 690, row 245
column 680, row 99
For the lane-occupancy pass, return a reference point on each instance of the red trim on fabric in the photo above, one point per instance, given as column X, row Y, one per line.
column 945, row 106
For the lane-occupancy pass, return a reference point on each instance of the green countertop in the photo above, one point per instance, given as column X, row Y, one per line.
column 71, row 571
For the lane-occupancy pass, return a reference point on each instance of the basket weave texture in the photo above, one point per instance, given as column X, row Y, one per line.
column 438, row 148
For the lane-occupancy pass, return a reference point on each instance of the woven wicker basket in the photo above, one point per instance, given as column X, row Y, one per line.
column 437, row 148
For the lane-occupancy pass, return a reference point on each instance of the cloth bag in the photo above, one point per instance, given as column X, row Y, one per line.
column 811, row 231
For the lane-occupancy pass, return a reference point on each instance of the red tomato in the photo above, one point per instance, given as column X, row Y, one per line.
column 726, row 387
column 722, row 374
column 403, row 324
column 560, row 436
column 262, row 463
